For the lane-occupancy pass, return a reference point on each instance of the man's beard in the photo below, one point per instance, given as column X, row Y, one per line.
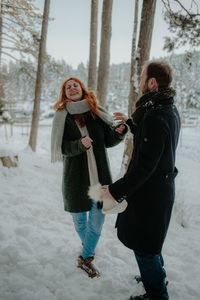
column 145, row 89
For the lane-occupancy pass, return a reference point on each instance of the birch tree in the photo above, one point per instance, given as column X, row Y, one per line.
column 104, row 61
column 92, row 68
column 138, row 57
column 38, row 86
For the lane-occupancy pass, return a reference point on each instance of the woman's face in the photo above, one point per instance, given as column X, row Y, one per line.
column 73, row 90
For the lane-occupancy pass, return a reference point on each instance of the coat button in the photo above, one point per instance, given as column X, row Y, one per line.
column 166, row 176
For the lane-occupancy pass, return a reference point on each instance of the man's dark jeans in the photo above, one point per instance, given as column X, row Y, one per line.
column 153, row 275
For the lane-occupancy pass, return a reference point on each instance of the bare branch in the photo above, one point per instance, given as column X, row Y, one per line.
column 9, row 40
column 5, row 53
column 10, row 36
column 183, row 7
column 24, row 70
column 196, row 6
column 16, row 7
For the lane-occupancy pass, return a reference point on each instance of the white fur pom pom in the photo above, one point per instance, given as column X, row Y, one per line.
column 95, row 192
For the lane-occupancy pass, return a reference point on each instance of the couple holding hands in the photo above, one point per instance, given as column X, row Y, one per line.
column 81, row 132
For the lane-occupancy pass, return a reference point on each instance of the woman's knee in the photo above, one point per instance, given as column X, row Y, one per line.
column 79, row 220
column 97, row 223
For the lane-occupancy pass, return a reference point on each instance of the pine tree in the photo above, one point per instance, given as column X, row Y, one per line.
column 104, row 61
column 92, row 68
column 141, row 56
column 133, row 92
column 183, row 23
column 38, row 86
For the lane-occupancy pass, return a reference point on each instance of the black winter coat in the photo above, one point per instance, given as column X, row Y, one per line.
column 148, row 184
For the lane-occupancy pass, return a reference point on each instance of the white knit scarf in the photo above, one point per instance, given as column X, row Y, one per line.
column 58, row 126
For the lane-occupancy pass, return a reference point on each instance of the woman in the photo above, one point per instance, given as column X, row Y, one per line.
column 80, row 135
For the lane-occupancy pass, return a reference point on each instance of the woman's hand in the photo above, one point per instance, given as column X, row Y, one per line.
column 120, row 129
column 120, row 117
column 87, row 142
column 105, row 193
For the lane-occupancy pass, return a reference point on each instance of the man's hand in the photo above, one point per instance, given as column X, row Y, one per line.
column 120, row 117
column 105, row 193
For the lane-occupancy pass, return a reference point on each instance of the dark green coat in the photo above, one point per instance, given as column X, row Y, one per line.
column 75, row 166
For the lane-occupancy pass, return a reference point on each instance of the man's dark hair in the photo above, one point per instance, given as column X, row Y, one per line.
column 160, row 70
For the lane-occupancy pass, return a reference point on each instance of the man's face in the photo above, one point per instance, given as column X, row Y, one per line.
column 144, row 82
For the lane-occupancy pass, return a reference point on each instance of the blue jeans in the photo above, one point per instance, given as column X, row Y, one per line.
column 89, row 226
column 153, row 275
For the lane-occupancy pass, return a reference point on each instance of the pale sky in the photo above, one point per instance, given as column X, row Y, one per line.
column 69, row 32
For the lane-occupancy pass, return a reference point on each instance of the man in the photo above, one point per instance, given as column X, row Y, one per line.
column 148, row 185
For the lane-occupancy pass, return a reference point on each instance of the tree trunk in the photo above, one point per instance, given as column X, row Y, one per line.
column 1, row 70
column 138, row 59
column 9, row 162
column 104, row 61
column 92, row 69
column 146, row 30
column 132, row 93
column 1, row 26
column 38, row 86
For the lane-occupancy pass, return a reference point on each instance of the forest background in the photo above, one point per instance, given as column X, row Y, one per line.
column 20, row 46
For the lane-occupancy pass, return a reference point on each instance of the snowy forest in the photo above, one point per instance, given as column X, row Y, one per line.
column 39, row 246
column 21, row 76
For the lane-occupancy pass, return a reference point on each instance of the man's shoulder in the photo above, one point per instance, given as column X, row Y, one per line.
column 162, row 111
column 156, row 113
column 156, row 118
column 162, row 117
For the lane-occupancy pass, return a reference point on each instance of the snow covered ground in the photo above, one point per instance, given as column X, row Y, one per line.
column 39, row 247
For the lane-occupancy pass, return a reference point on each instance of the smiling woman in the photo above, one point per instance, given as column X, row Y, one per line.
column 80, row 135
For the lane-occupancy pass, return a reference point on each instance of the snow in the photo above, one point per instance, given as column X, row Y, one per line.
column 6, row 116
column 39, row 247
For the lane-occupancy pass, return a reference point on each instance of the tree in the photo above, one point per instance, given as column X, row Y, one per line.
column 1, row 26
column 21, row 76
column 103, row 69
column 1, row 69
column 133, row 66
column 19, row 21
column 82, row 72
column 93, row 46
column 133, row 88
column 38, row 86
column 183, row 23
column 139, row 58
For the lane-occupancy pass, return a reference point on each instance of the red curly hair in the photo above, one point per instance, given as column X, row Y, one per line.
column 87, row 95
